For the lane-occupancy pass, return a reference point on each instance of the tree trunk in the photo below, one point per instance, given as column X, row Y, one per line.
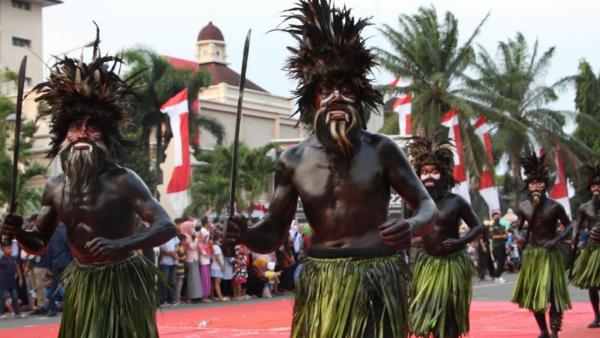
column 515, row 165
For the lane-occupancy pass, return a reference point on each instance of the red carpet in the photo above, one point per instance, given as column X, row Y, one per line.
column 272, row 319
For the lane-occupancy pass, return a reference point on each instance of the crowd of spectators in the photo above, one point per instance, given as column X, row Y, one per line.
column 197, row 267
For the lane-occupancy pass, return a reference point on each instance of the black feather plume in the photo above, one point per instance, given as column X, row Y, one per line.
column 329, row 48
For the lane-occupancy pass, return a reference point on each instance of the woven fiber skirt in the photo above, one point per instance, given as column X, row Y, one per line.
column 110, row 301
column 586, row 273
column 542, row 280
column 352, row 297
column 439, row 282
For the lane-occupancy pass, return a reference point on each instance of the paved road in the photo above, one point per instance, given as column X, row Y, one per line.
column 482, row 291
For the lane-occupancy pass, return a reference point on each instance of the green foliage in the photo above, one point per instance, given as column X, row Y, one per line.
column 158, row 82
column 390, row 123
column 210, row 182
column 587, row 102
column 517, row 101
column 427, row 52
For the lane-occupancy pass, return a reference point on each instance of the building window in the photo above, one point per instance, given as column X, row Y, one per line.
column 21, row 5
column 21, row 42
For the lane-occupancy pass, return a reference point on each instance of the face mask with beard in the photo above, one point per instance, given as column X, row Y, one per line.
column 337, row 124
column 80, row 163
column 537, row 195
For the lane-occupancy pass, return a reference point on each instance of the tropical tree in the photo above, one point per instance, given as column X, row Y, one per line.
column 210, row 182
column 513, row 88
column 587, row 102
column 28, row 199
column 158, row 81
column 427, row 52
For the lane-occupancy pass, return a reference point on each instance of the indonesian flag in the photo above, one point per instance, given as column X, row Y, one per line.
column 487, row 187
column 559, row 191
column 177, row 188
column 402, row 106
column 450, row 120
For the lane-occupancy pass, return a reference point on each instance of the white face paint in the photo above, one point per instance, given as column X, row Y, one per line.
column 428, row 176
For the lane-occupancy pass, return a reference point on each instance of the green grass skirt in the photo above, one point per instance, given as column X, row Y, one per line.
column 542, row 280
column 116, row 300
column 435, row 282
column 586, row 273
column 352, row 297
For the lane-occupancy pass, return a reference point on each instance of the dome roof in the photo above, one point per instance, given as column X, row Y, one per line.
column 210, row 32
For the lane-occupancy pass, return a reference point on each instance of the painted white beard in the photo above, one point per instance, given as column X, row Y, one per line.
column 338, row 131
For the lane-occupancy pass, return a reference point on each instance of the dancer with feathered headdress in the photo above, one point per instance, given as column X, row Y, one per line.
column 110, row 290
column 542, row 279
column 353, row 284
column 586, row 273
column 443, row 273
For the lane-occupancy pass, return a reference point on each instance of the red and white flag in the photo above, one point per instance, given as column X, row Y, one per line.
column 402, row 106
column 487, row 187
column 559, row 191
column 450, row 120
column 177, row 188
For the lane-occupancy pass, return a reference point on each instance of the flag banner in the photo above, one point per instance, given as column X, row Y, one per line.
column 402, row 106
column 559, row 191
column 177, row 188
column 450, row 120
column 487, row 186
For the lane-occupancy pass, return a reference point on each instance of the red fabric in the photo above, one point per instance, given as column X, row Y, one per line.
column 451, row 120
column 180, row 178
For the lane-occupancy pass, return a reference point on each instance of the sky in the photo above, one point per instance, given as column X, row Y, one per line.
column 171, row 28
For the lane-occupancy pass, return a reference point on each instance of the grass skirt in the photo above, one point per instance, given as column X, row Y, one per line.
column 110, row 301
column 352, row 297
column 586, row 273
column 438, row 280
column 542, row 280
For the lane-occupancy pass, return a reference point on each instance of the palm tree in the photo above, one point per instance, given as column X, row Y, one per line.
column 159, row 82
column 587, row 102
column 210, row 182
column 427, row 52
column 513, row 88
column 28, row 199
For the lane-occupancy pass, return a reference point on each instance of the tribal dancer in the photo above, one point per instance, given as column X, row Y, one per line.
column 542, row 279
column 443, row 273
column 110, row 290
column 353, row 284
column 586, row 273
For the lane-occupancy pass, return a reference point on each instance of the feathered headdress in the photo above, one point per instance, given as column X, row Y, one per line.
column 329, row 48
column 438, row 151
column 591, row 172
column 90, row 92
column 535, row 168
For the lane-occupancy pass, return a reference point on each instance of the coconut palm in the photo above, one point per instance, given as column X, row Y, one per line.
column 427, row 52
column 210, row 182
column 158, row 82
column 513, row 86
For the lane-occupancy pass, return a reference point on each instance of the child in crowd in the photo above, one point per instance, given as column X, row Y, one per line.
column 217, row 267
column 240, row 271
column 180, row 273
column 272, row 280
column 10, row 276
column 205, row 251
